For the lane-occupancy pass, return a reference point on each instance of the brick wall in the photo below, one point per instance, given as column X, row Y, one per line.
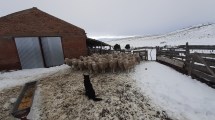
column 8, row 55
column 33, row 23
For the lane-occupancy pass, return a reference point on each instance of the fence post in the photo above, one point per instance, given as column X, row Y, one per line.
column 190, row 67
column 187, row 57
column 171, row 53
column 157, row 51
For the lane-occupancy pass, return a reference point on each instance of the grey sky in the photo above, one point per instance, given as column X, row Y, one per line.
column 122, row 17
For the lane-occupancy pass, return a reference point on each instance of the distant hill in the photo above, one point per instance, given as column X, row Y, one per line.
column 203, row 34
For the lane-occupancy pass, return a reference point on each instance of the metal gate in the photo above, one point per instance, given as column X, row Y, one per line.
column 29, row 52
column 52, row 51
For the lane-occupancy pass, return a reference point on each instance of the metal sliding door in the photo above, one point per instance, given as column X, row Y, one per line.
column 29, row 52
column 52, row 51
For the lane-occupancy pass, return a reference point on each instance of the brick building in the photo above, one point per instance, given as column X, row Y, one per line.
column 33, row 39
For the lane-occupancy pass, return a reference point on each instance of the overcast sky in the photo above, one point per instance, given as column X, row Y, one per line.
column 122, row 17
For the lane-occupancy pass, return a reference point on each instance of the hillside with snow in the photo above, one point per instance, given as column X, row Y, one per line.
column 203, row 34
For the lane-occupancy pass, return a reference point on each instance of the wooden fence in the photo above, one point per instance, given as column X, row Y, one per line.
column 197, row 61
column 143, row 53
column 99, row 51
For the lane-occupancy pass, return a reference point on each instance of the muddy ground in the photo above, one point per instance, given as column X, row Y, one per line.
column 62, row 97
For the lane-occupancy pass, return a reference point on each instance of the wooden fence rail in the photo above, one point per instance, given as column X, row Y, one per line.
column 196, row 60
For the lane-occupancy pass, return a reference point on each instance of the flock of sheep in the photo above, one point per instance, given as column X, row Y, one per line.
column 103, row 63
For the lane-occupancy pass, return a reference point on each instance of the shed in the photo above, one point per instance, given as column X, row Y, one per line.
column 96, row 46
column 96, row 43
column 34, row 39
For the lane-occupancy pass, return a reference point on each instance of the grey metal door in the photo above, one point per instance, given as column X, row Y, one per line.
column 52, row 51
column 29, row 52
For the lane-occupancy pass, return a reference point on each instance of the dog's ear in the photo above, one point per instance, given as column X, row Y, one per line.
column 86, row 73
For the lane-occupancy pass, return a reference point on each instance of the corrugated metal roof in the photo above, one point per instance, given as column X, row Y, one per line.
column 93, row 42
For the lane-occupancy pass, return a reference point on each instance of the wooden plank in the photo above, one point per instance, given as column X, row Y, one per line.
column 174, row 62
column 169, row 54
column 207, row 55
column 174, row 52
column 173, row 56
column 137, row 51
column 204, row 76
column 146, row 47
column 187, row 55
column 204, row 62
column 210, row 62
column 179, row 59
column 190, row 66
column 182, row 46
column 202, row 47
column 202, row 68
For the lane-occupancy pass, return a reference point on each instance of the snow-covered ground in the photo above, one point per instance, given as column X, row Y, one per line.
column 180, row 96
column 61, row 96
column 176, row 93
column 203, row 34
column 10, row 87
column 20, row 77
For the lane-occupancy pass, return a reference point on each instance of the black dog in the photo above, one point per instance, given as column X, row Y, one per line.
column 89, row 91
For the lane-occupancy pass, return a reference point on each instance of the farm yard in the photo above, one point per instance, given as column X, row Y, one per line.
column 136, row 90
column 109, row 60
column 130, row 86
column 152, row 91
column 62, row 97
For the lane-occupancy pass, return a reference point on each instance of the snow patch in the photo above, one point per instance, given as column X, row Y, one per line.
column 20, row 77
column 176, row 93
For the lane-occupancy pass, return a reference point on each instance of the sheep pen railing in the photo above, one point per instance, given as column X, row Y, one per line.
column 198, row 61
column 99, row 51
